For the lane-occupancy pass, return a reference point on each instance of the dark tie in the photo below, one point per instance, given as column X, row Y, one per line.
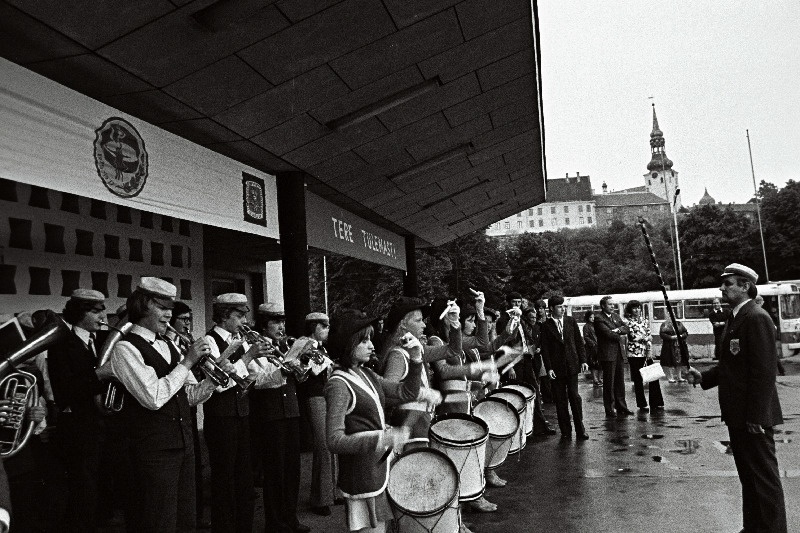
column 560, row 328
column 90, row 346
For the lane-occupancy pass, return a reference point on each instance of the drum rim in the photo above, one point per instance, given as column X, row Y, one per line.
column 458, row 444
column 513, row 392
column 519, row 383
column 451, row 465
column 513, row 409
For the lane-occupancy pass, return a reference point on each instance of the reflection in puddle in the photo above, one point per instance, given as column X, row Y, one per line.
column 688, row 446
column 652, row 436
column 619, row 440
column 783, row 441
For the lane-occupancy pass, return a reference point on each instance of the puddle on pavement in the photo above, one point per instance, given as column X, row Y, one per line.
column 617, row 450
column 677, row 412
column 652, row 436
column 659, row 459
column 783, row 441
column 619, row 440
column 674, row 427
column 624, row 470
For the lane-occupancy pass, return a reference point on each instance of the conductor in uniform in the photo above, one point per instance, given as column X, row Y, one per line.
column 748, row 399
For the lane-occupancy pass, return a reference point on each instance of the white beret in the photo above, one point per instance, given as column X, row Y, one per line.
column 88, row 295
column 735, row 269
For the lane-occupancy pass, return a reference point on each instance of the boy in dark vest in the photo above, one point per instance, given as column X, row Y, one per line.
column 160, row 389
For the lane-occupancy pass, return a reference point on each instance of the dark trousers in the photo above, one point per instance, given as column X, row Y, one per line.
column 79, row 449
column 614, row 384
column 164, row 489
column 228, row 441
column 279, row 447
column 198, row 470
column 539, row 421
column 763, row 506
column 653, row 388
column 565, row 394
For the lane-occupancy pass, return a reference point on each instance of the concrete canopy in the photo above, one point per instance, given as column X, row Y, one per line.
column 423, row 116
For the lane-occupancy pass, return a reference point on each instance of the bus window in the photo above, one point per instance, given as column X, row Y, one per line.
column 790, row 306
column 660, row 310
column 697, row 308
column 579, row 310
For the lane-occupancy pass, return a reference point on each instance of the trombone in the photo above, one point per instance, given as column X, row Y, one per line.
column 212, row 370
column 299, row 370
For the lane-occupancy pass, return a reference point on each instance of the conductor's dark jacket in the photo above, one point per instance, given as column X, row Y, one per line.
column 610, row 345
column 747, row 370
column 564, row 355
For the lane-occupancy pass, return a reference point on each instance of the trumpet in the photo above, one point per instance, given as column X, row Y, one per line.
column 212, row 370
column 113, row 400
column 277, row 351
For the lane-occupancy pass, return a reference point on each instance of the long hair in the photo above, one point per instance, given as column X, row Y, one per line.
column 346, row 357
column 392, row 340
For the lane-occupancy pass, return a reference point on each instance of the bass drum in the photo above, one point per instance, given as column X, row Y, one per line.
column 517, row 399
column 423, row 492
column 503, row 421
column 463, row 438
column 530, row 399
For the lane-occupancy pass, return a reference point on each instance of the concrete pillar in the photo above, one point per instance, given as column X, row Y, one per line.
column 410, row 287
column 294, row 249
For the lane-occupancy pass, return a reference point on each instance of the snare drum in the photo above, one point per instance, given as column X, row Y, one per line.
column 463, row 438
column 423, row 492
column 503, row 421
column 517, row 399
column 530, row 399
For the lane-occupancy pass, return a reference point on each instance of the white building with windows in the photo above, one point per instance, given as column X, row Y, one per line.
column 570, row 204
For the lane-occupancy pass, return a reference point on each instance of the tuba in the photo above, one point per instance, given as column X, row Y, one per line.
column 19, row 387
column 113, row 399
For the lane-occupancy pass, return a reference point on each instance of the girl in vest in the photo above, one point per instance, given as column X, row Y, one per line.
column 356, row 427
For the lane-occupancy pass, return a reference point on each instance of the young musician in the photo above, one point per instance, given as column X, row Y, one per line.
column 356, row 427
column 160, row 389
column 71, row 365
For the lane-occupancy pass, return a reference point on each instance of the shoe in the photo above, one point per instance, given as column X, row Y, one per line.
column 493, row 480
column 546, row 431
column 566, row 436
column 658, row 408
column 301, row 528
column 624, row 412
column 681, row 380
column 582, row 436
column 482, row 505
column 322, row 510
column 644, row 409
column 610, row 413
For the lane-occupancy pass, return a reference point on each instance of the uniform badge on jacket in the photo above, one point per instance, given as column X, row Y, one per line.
column 735, row 348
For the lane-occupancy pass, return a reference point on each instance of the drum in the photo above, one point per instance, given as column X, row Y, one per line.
column 463, row 438
column 456, row 402
column 517, row 399
column 423, row 492
column 530, row 399
column 503, row 421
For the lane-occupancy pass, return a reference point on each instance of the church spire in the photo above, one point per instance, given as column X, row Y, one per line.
column 659, row 159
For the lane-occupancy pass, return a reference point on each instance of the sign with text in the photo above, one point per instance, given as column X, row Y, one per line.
column 336, row 230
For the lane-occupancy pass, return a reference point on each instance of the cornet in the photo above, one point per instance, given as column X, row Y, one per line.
column 212, row 370
column 113, row 400
column 275, row 356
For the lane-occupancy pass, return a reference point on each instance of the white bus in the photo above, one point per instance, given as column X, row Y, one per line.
column 692, row 307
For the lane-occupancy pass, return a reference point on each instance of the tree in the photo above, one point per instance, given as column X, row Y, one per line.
column 766, row 190
column 781, row 219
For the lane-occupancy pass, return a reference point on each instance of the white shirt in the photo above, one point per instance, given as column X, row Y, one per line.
column 266, row 377
column 736, row 309
column 141, row 380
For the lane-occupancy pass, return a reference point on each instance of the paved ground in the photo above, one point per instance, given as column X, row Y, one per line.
column 646, row 473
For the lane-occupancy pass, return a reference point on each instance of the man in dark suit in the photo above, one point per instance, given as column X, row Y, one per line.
column 748, row 399
column 611, row 333
column 564, row 356
column 718, row 317
column 71, row 365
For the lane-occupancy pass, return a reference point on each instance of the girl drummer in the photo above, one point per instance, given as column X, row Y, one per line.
column 356, row 427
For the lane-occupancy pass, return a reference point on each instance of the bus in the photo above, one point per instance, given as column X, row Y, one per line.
column 692, row 307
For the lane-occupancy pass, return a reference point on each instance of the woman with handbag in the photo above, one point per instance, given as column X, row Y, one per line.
column 639, row 356
column 671, row 356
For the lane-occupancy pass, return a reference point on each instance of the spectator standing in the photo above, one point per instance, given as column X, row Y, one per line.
column 639, row 353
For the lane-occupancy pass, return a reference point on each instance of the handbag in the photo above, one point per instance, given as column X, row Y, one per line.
column 651, row 372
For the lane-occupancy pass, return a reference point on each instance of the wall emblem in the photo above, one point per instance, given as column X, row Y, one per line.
column 254, row 200
column 120, row 157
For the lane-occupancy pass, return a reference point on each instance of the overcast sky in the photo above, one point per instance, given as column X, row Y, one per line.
column 713, row 68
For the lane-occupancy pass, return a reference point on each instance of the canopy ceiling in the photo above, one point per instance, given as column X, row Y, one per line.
column 423, row 116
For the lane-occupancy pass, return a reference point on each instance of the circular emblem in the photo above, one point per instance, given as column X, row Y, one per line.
column 120, row 157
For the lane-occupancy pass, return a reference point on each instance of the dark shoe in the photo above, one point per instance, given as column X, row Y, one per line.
column 301, row 528
column 610, row 413
column 644, row 409
column 658, row 408
column 546, row 431
column 624, row 412
column 583, row 436
column 566, row 436
column 322, row 510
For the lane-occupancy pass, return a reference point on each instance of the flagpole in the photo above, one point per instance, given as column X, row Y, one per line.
column 758, row 207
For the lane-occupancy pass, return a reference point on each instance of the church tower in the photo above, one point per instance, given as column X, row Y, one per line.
column 660, row 179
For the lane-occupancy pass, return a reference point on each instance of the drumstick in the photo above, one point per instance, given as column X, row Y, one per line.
column 450, row 304
column 410, row 420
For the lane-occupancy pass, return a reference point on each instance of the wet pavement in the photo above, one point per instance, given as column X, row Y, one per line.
column 649, row 472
